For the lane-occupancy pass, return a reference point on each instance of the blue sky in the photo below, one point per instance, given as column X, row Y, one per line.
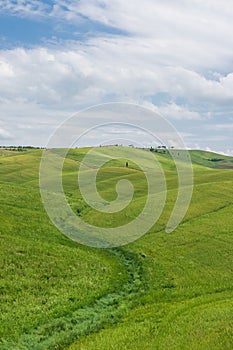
column 22, row 30
column 176, row 58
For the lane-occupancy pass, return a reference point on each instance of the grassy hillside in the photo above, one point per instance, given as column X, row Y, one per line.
column 211, row 160
column 163, row 291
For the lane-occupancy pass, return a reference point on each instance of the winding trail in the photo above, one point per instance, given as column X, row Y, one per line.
column 63, row 331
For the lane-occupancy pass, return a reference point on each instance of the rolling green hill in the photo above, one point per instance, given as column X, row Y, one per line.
column 162, row 291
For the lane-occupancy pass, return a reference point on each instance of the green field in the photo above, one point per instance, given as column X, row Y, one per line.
column 162, row 291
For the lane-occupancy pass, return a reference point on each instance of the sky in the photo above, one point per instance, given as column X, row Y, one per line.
column 172, row 57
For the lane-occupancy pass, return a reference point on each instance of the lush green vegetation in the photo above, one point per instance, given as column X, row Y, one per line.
column 163, row 291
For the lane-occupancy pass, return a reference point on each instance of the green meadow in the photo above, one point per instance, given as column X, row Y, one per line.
column 162, row 291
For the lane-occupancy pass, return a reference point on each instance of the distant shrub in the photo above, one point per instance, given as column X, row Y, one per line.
column 215, row 159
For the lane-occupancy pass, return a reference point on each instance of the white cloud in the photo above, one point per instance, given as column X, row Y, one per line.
column 174, row 111
column 25, row 7
column 182, row 49
column 88, row 72
column 27, row 123
column 5, row 135
column 191, row 33
column 171, row 48
column 228, row 152
column 221, row 127
column 194, row 33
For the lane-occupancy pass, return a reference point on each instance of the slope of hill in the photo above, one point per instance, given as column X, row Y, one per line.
column 164, row 290
column 212, row 160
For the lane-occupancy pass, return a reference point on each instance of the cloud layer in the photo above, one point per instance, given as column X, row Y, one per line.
column 175, row 57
